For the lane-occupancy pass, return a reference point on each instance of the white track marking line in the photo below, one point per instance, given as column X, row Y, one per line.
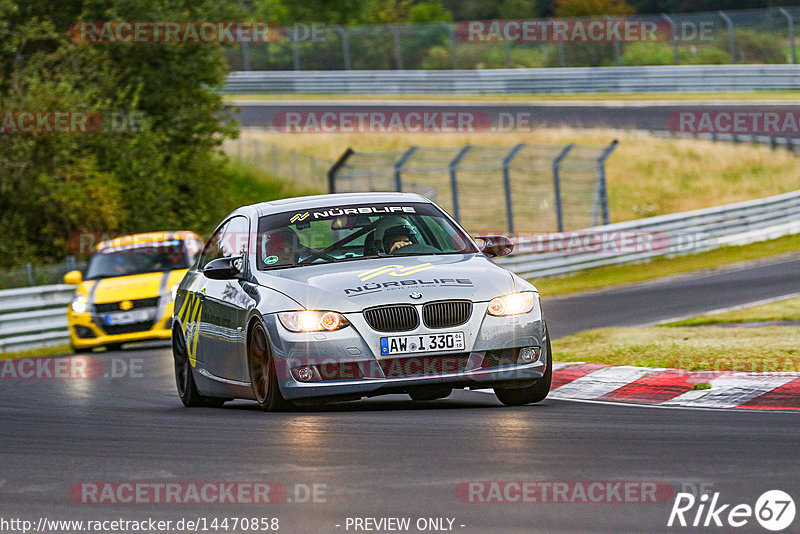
column 600, row 382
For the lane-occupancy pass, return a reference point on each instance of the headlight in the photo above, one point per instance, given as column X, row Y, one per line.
column 80, row 304
column 312, row 321
column 174, row 290
column 513, row 304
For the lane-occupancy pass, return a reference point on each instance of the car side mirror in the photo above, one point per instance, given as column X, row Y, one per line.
column 496, row 245
column 73, row 278
column 224, row 268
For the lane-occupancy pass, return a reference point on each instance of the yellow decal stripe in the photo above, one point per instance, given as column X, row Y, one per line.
column 366, row 275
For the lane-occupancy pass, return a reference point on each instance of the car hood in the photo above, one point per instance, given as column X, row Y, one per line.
column 137, row 286
column 354, row 285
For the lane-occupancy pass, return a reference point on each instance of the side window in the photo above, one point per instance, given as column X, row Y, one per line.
column 213, row 249
column 234, row 242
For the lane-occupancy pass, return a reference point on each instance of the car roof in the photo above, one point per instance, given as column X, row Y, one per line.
column 144, row 238
column 329, row 201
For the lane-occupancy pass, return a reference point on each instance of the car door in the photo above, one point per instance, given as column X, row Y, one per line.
column 225, row 306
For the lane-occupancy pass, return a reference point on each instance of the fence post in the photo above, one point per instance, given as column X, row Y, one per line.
column 335, row 169
column 731, row 37
column 453, row 53
column 675, row 42
column 617, row 48
column 398, row 167
column 602, row 193
column 398, row 51
column 557, row 185
column 295, row 50
column 29, row 273
column 345, row 45
column 507, row 185
column 507, row 53
column 790, row 23
column 454, row 180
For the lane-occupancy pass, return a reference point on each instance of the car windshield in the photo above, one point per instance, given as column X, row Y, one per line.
column 356, row 232
column 139, row 259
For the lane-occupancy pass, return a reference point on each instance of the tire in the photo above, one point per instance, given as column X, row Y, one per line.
column 184, row 378
column 113, row 346
column 537, row 391
column 263, row 376
column 429, row 394
column 82, row 350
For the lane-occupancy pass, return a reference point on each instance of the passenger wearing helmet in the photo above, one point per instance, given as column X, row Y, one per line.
column 281, row 244
column 393, row 233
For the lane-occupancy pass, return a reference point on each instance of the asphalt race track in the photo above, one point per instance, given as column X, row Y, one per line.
column 389, row 457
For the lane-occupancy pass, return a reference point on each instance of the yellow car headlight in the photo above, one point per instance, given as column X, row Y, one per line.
column 512, row 304
column 312, row 321
column 80, row 304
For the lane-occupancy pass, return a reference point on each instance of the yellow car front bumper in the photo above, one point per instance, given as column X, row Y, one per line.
column 86, row 330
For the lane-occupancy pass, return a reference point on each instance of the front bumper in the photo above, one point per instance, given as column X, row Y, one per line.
column 355, row 367
column 86, row 330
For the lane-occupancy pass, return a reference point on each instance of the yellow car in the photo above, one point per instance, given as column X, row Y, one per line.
column 129, row 289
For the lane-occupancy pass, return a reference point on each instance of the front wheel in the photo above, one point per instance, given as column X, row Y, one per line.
column 537, row 391
column 80, row 350
column 187, row 389
column 263, row 376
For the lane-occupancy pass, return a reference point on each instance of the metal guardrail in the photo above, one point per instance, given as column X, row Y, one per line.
column 680, row 233
column 34, row 316
column 689, row 78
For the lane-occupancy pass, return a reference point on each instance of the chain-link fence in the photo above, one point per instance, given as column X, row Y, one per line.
column 301, row 169
column 520, row 188
column 32, row 275
column 722, row 37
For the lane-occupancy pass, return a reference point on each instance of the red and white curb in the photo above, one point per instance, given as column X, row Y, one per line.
column 675, row 387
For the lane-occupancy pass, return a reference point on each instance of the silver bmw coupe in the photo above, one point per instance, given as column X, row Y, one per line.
column 339, row 297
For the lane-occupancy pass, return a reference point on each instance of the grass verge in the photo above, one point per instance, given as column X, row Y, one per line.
column 646, row 175
column 611, row 276
column 765, row 349
column 784, row 310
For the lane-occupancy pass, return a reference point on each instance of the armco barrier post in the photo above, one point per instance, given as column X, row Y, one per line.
column 398, row 167
column 453, row 43
column 454, row 180
column 790, row 24
column 557, row 186
column 335, row 169
column 507, row 185
column 617, row 48
column 295, row 50
column 602, row 193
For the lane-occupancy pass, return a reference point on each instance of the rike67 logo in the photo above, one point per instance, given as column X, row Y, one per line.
column 774, row 510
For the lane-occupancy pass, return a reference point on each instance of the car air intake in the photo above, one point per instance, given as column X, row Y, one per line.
column 447, row 313
column 392, row 318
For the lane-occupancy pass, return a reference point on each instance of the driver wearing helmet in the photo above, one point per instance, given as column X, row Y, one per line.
column 283, row 244
column 394, row 233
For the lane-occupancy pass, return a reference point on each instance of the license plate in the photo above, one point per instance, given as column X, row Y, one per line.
column 130, row 317
column 452, row 341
